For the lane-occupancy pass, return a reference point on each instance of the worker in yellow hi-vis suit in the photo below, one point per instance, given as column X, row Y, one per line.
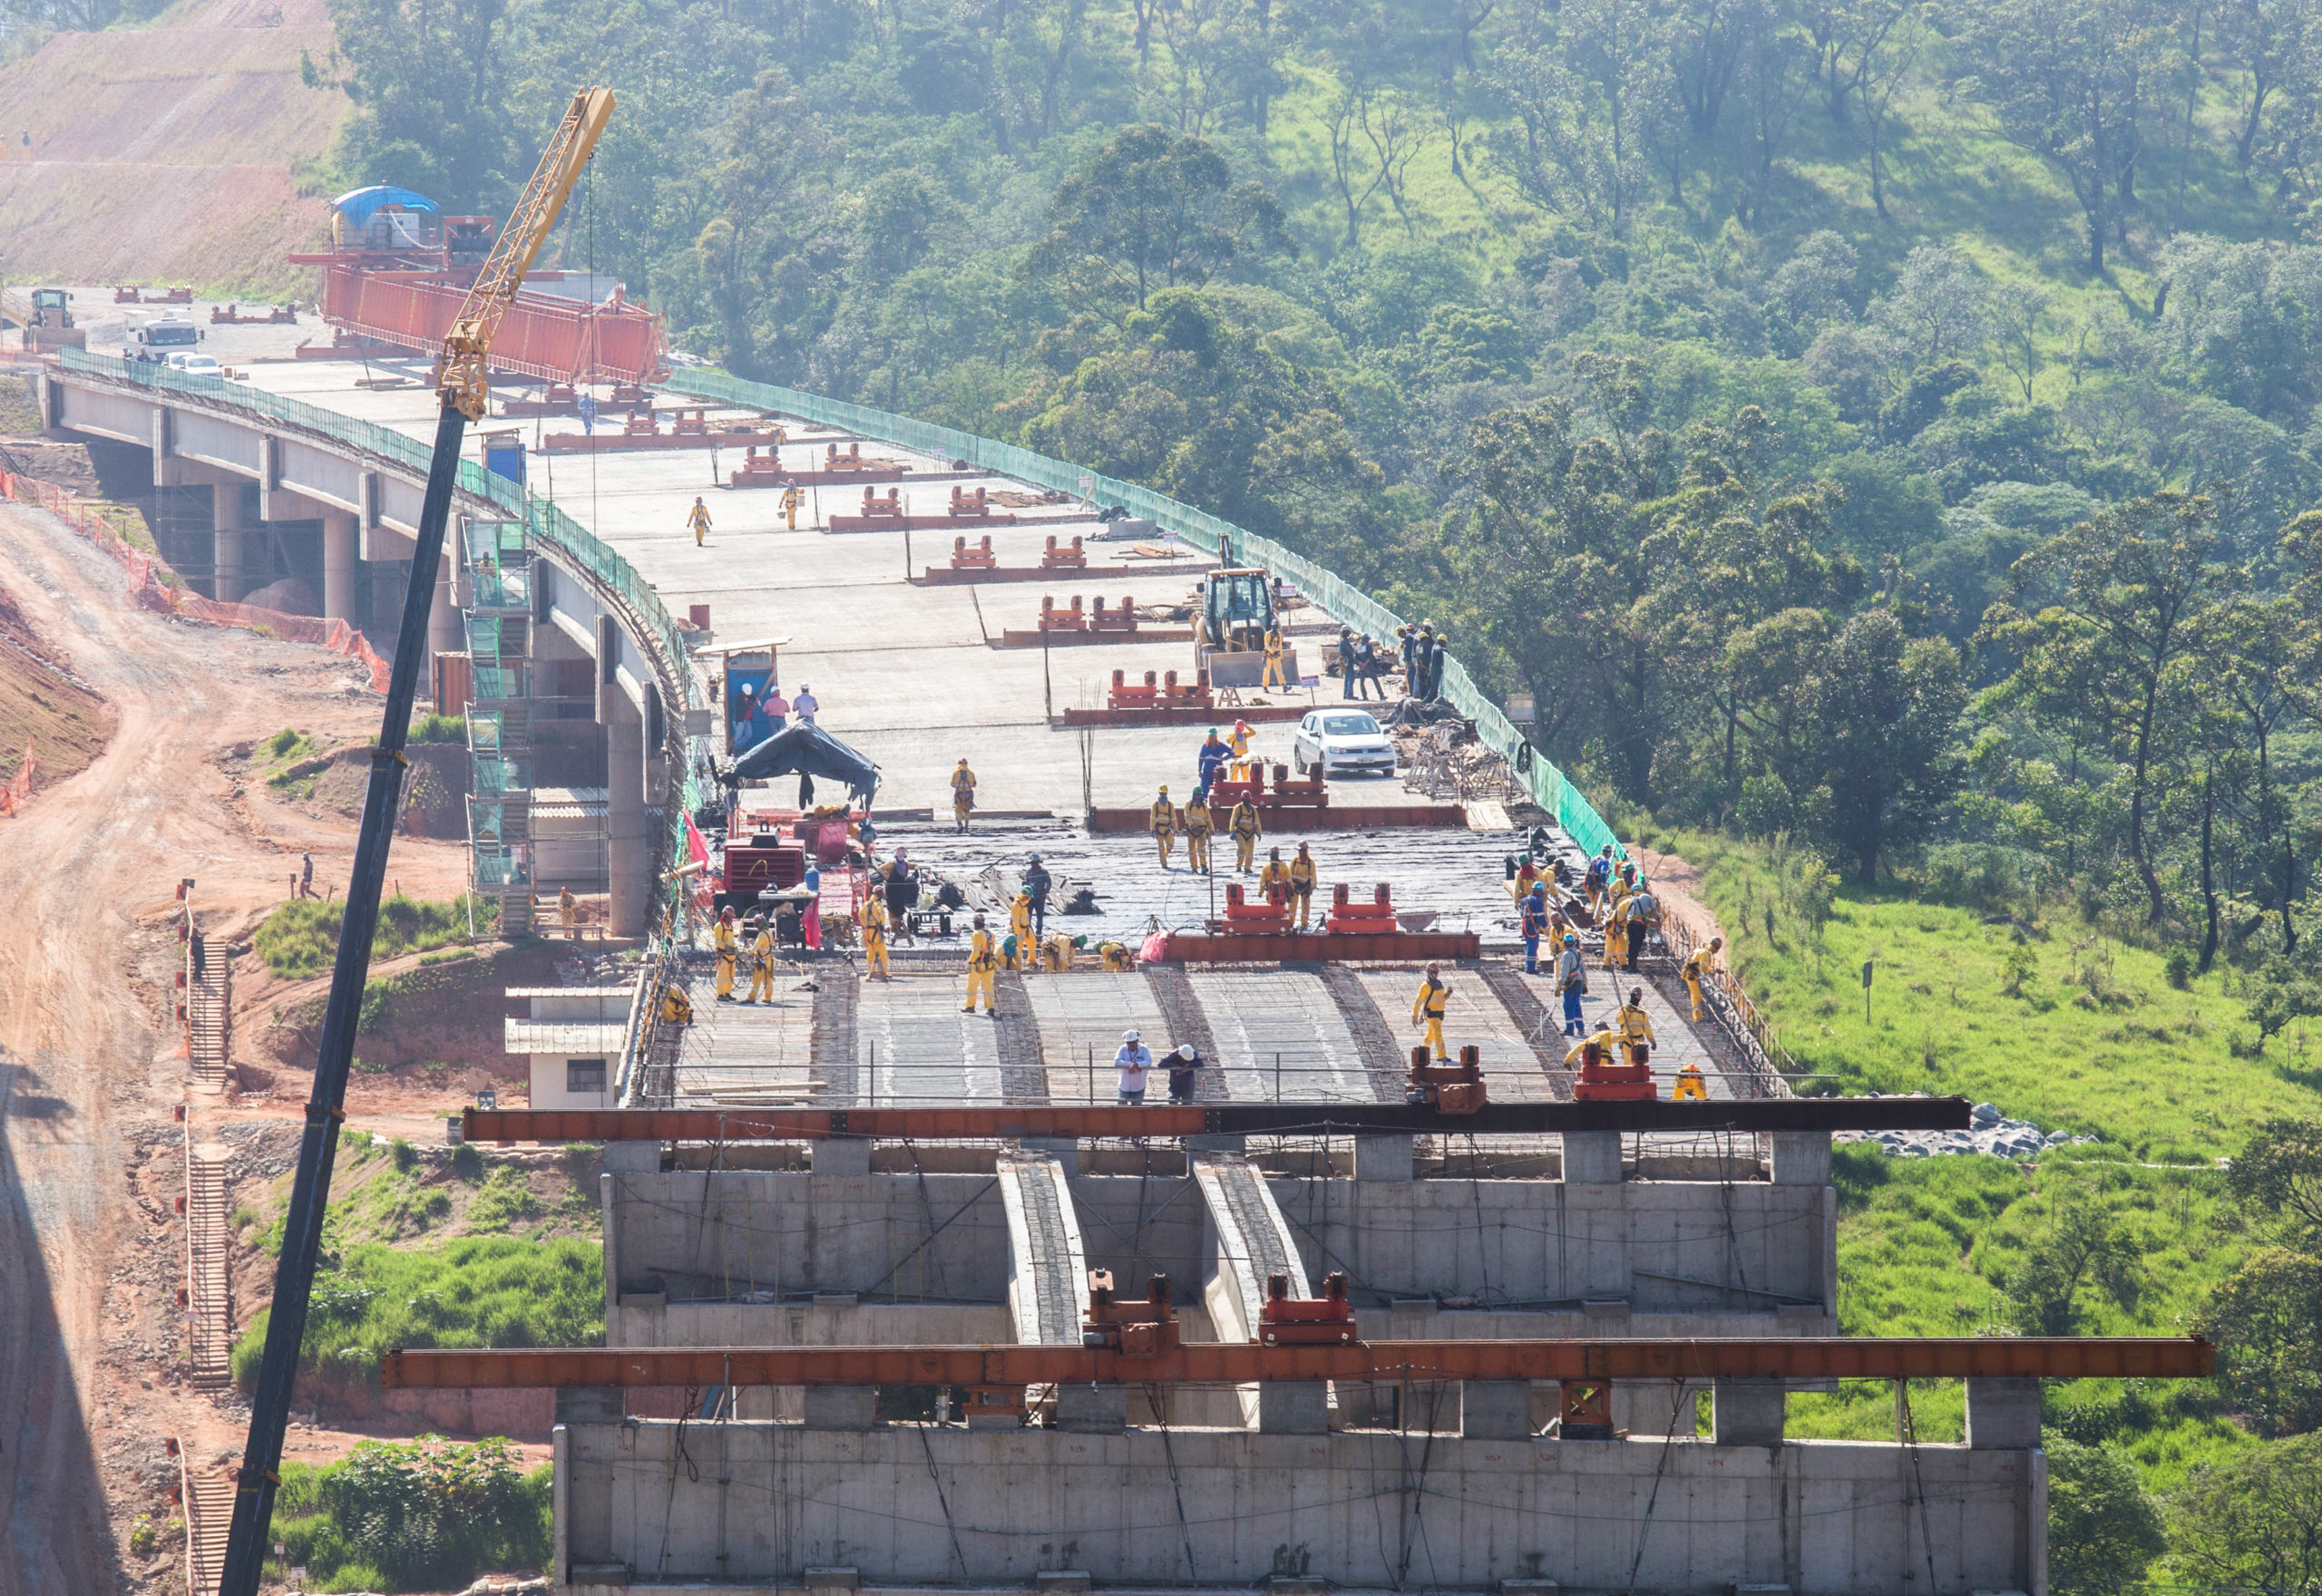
column 1433, row 998
column 1276, row 874
column 1198, row 826
column 1161, row 820
column 1276, row 675
column 1617, row 898
column 1634, row 1024
column 1244, row 827
column 698, row 522
column 761, row 966
column 1056, row 953
column 1019, row 926
column 963, row 796
column 1700, row 966
column 1302, row 884
column 1117, row 956
column 873, row 920
column 727, row 945
column 790, row 498
column 1689, row 1084
column 983, row 970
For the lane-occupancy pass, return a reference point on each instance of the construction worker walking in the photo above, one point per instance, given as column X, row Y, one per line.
column 1198, row 826
column 699, row 521
column 963, row 796
column 1571, row 982
column 1634, row 1025
column 1427, row 1008
column 1700, row 967
column 1276, row 676
column 1244, row 827
column 790, row 497
column 761, row 965
column 1639, row 915
column 872, row 922
column 1161, row 820
column 1302, row 884
column 983, row 971
column 727, row 945
column 1535, row 925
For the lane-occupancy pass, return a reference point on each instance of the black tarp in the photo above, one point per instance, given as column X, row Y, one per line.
column 803, row 746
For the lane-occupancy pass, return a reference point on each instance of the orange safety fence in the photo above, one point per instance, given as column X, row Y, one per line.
column 17, row 789
column 147, row 591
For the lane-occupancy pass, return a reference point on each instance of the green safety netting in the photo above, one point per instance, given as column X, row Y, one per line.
column 1550, row 790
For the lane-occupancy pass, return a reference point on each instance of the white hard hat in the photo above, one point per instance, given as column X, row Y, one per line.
column 1129, row 1035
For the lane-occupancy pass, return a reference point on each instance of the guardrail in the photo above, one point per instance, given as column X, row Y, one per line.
column 1548, row 785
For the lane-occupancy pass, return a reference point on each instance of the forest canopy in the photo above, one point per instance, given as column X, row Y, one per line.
column 1888, row 425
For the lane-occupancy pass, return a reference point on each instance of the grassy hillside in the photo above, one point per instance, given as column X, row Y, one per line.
column 167, row 153
column 2055, row 1020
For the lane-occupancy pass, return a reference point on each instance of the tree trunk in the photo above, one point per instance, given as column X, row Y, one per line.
column 2136, row 806
column 2208, row 882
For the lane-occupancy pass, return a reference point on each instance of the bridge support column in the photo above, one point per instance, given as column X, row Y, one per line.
column 443, row 635
column 338, row 567
column 233, row 521
column 628, row 853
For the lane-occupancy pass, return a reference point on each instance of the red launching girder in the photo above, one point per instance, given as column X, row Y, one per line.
column 1880, row 1357
column 559, row 340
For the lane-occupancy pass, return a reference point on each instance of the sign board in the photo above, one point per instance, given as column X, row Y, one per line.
column 1519, row 709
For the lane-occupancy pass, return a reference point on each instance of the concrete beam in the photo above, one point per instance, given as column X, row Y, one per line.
column 1092, row 1409
column 1293, row 1408
column 842, row 1407
column 1382, row 1158
column 1801, row 1158
column 1047, row 1266
column 1747, row 1412
column 1495, row 1410
column 1592, row 1158
column 2003, row 1415
column 628, row 847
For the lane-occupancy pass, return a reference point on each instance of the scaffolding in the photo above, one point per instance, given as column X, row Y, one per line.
column 498, row 620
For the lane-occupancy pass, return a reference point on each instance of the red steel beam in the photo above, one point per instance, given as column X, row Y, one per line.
column 1235, row 1363
column 1273, row 947
column 981, row 1122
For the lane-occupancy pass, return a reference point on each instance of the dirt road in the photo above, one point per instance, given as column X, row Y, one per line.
column 88, row 1331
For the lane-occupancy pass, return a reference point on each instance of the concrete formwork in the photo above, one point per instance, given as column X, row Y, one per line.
column 1549, row 1252
column 761, row 1504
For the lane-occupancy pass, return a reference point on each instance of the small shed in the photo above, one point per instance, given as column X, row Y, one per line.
column 572, row 1039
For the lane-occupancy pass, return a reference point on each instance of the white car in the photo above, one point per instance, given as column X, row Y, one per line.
column 1342, row 742
column 198, row 366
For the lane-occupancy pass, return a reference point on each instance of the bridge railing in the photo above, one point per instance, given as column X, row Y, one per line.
column 1548, row 785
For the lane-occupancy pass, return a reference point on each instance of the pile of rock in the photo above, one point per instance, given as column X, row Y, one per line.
column 1989, row 1132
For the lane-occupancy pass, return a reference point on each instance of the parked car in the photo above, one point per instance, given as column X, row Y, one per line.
column 1342, row 742
column 198, row 366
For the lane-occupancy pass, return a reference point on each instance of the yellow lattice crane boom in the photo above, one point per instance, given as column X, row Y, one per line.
column 461, row 375
column 461, row 383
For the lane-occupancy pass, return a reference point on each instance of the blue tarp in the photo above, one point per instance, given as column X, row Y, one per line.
column 358, row 204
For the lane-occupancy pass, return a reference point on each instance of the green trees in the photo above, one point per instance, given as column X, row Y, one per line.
column 2104, row 1530
column 2254, row 1522
column 1153, row 210
column 2266, row 1318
